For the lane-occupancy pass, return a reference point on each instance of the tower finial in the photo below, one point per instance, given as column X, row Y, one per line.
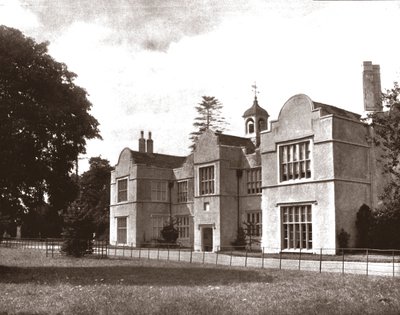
column 254, row 86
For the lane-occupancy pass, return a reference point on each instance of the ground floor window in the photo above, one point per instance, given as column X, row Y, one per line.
column 297, row 227
column 183, row 226
column 121, row 230
column 253, row 225
column 158, row 222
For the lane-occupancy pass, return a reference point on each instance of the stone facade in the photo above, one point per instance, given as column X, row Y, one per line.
column 297, row 183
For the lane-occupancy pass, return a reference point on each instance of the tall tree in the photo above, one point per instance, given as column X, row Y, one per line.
column 44, row 125
column 95, row 194
column 209, row 117
column 387, row 136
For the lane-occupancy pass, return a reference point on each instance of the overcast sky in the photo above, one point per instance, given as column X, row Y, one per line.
column 146, row 64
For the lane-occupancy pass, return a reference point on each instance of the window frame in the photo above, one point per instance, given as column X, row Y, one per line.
column 209, row 183
column 183, row 226
column 119, row 200
column 298, row 235
column 183, row 195
column 123, row 229
column 295, row 158
column 156, row 190
column 254, row 181
column 254, row 216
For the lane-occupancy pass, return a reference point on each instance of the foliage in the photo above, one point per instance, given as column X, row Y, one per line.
column 169, row 232
column 240, row 241
column 44, row 125
column 364, row 224
column 94, row 187
column 77, row 235
column 209, row 117
column 386, row 219
column 343, row 238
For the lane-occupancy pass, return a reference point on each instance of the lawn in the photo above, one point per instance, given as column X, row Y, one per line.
column 30, row 283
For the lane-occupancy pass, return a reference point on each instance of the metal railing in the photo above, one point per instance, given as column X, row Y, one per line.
column 345, row 261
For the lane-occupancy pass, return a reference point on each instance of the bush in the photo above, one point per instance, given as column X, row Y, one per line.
column 240, row 241
column 77, row 235
column 343, row 238
column 170, row 233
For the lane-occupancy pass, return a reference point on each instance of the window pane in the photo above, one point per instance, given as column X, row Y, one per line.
column 296, row 227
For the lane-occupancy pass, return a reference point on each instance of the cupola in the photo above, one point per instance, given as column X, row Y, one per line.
column 255, row 120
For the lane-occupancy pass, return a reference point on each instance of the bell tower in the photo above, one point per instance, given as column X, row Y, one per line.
column 255, row 119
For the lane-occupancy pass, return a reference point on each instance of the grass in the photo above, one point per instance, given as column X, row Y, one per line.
column 30, row 283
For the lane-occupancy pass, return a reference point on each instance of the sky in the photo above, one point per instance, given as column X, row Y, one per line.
column 146, row 64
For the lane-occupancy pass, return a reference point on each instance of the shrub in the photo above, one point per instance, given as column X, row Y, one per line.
column 77, row 235
column 343, row 238
column 364, row 223
column 169, row 232
column 240, row 241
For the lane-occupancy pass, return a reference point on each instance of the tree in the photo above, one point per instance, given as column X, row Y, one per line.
column 209, row 117
column 95, row 194
column 44, row 125
column 386, row 219
column 77, row 234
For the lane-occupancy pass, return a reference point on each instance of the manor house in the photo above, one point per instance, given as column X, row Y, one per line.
column 292, row 183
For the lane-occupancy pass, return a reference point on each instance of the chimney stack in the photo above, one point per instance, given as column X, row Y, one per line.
column 149, row 144
column 142, row 142
column 372, row 87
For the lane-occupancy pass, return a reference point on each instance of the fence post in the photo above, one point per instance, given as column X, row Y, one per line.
column 168, row 252
column 115, row 249
column 342, row 261
column 245, row 262
column 216, row 259
column 131, row 249
column 320, row 260
column 393, row 261
column 179, row 253
column 280, row 260
column 148, row 253
column 262, row 258
column 140, row 251
column 299, row 258
column 123, row 250
column 52, row 249
column 204, row 252
column 230, row 263
column 158, row 253
column 191, row 253
column 367, row 261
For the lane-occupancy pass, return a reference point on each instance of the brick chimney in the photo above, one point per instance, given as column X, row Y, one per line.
column 372, row 87
column 149, row 144
column 142, row 142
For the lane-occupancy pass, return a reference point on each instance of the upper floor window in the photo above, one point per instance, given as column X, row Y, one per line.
column 206, row 180
column 122, row 188
column 295, row 161
column 254, row 181
column 183, row 191
column 159, row 190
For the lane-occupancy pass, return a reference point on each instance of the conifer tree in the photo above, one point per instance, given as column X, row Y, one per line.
column 209, row 117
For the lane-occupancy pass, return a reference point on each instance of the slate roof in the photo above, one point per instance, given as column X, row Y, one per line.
column 235, row 141
column 332, row 110
column 158, row 160
column 255, row 110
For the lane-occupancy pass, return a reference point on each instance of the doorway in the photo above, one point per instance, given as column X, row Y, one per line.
column 207, row 239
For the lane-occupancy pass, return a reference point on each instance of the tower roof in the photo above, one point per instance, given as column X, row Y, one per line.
column 255, row 110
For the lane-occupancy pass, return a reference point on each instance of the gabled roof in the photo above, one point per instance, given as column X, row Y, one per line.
column 158, row 160
column 255, row 110
column 332, row 110
column 235, row 141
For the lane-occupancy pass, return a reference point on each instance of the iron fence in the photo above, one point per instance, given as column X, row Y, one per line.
column 345, row 261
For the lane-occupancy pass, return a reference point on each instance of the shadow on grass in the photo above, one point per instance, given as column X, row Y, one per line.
column 130, row 275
